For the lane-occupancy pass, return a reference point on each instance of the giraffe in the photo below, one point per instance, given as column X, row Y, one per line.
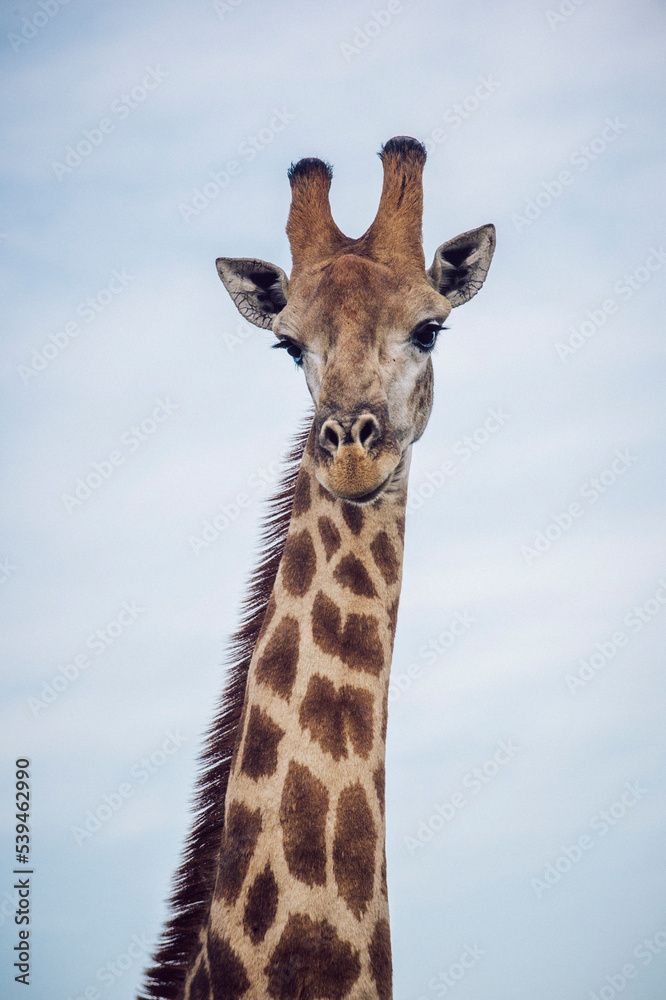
column 282, row 892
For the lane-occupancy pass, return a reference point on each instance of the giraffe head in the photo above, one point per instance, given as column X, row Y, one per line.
column 361, row 317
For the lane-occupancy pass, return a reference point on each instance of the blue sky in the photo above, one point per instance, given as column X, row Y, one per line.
column 524, row 772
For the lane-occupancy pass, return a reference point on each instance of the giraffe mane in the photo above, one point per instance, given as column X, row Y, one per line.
column 194, row 881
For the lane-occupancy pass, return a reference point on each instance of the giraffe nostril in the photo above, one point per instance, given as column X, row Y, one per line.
column 363, row 431
column 366, row 430
column 331, row 436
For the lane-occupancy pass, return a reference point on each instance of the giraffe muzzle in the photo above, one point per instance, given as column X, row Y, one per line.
column 355, row 458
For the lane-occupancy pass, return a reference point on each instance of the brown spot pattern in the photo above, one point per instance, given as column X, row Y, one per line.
column 311, row 962
column 200, row 984
column 354, row 849
column 354, row 517
column 358, row 644
column 299, row 562
column 261, row 905
column 227, row 972
column 325, row 494
column 276, row 666
column 385, row 557
column 262, row 738
column 380, row 959
column 303, row 812
column 393, row 617
column 333, row 716
column 351, row 573
column 379, row 779
column 240, row 839
column 400, row 527
column 301, row 494
column 330, row 536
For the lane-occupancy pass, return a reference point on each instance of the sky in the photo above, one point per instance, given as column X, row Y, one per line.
column 144, row 422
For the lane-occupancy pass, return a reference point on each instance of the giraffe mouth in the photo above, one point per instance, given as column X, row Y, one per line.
column 386, row 486
column 361, row 499
column 372, row 495
column 390, row 485
column 364, row 500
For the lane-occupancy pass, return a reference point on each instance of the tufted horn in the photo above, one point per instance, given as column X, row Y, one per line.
column 396, row 230
column 312, row 232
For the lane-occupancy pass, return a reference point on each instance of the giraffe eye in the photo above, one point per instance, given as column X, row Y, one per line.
column 424, row 336
column 292, row 349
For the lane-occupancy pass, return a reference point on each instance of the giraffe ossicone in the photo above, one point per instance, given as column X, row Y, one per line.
column 282, row 892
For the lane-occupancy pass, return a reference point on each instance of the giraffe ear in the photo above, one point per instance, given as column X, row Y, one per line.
column 259, row 289
column 461, row 265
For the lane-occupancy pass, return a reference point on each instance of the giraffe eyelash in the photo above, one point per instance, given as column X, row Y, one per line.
column 292, row 348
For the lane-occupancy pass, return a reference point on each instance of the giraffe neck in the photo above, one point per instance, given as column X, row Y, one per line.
column 300, row 906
